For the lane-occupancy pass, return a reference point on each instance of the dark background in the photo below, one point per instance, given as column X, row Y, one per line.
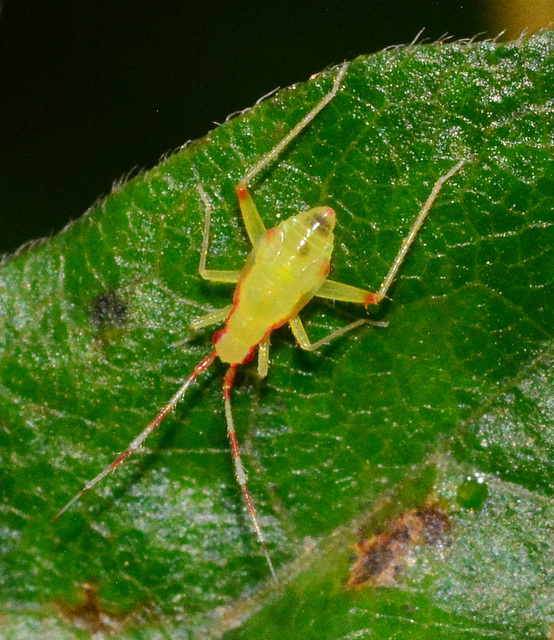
column 90, row 89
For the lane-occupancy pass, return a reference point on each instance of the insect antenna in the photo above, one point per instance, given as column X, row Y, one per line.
column 239, row 467
column 137, row 442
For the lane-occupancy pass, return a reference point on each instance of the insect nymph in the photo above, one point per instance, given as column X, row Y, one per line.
column 287, row 267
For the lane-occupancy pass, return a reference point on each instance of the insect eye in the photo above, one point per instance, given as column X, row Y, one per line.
column 323, row 221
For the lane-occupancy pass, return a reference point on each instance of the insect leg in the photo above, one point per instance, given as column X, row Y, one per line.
column 333, row 290
column 137, row 442
column 252, row 220
column 416, row 226
column 211, row 274
column 339, row 291
column 263, row 357
column 239, row 467
column 278, row 148
column 303, row 340
column 219, row 315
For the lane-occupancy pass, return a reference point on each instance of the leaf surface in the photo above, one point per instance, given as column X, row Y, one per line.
column 450, row 405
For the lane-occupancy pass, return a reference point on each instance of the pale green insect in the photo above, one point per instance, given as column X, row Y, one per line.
column 287, row 267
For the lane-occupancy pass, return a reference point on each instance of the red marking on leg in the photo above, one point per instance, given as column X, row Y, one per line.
column 203, row 365
column 371, row 298
column 239, row 469
column 198, row 369
column 242, row 191
column 248, row 500
column 120, row 459
column 228, row 383
column 274, row 234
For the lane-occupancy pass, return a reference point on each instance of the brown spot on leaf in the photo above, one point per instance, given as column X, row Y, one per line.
column 91, row 617
column 383, row 556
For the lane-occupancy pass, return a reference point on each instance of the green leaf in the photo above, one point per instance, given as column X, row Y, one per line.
column 447, row 410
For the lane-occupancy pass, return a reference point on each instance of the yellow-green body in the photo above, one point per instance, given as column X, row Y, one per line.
column 285, row 269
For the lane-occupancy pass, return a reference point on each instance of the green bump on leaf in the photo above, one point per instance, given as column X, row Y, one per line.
column 472, row 493
column 94, row 339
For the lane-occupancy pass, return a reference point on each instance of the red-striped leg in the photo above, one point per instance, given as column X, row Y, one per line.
column 137, row 442
column 239, row 467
